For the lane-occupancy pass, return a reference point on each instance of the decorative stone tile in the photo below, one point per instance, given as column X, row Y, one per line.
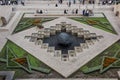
column 72, row 53
column 73, row 27
column 38, row 42
column 41, row 32
column 87, row 36
column 64, row 57
column 68, row 25
column 47, row 34
column 78, row 49
column 57, row 53
column 84, row 45
column 52, row 27
column 86, row 32
column 44, row 45
column 68, row 29
column 74, row 31
column 32, row 39
column 89, row 42
column 27, row 37
column 52, row 31
column 41, row 36
column 58, row 29
column 63, row 23
column 80, row 34
column 51, row 49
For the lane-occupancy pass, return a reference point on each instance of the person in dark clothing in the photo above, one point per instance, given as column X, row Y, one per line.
column 41, row 11
column 87, row 12
column 93, row 2
column 76, row 11
column 60, row 1
column 83, row 2
column 74, row 1
column 84, row 12
column 56, row 5
column 69, row 4
column 22, row 3
column 65, row 11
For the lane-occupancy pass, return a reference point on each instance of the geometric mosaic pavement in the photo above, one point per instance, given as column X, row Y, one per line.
column 48, row 38
column 36, row 42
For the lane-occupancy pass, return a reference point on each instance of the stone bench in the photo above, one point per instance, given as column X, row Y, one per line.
column 39, row 42
column 80, row 34
column 89, row 42
column 44, row 45
column 84, row 45
column 51, row 49
column 41, row 36
column 78, row 49
column 57, row 53
column 63, row 23
column 47, row 34
column 52, row 31
column 74, row 31
column 41, row 32
column 64, row 57
column 71, row 53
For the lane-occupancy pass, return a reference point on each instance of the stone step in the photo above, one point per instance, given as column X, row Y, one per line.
column 47, row 2
column 74, row 79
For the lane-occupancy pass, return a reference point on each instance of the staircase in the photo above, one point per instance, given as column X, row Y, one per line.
column 38, row 2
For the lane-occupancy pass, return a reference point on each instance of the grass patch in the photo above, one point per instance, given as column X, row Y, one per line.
column 26, row 23
column 102, row 23
column 19, row 52
column 97, row 61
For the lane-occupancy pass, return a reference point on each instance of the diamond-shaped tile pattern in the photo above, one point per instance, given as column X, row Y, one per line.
column 65, row 65
column 49, row 37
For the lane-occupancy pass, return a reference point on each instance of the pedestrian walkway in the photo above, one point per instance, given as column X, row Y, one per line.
column 5, row 31
column 115, row 21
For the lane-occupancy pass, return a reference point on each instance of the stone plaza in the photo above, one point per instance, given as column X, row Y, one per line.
column 49, row 42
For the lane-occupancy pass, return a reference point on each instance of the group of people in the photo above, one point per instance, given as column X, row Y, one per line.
column 60, row 1
column 74, row 11
column 40, row 11
column 86, row 12
column 107, row 2
column 10, row 2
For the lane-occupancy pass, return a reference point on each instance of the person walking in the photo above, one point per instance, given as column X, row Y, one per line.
column 87, row 12
column 56, row 5
column 83, row 12
column 76, row 11
column 74, row 1
column 69, row 4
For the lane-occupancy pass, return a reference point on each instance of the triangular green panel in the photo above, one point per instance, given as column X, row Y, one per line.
column 107, row 63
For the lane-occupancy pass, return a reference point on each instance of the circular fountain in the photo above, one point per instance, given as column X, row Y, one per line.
column 64, row 39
